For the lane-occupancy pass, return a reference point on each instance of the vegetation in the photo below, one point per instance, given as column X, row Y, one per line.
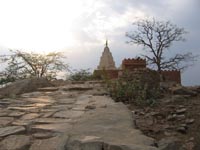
column 20, row 65
column 81, row 75
column 157, row 37
column 136, row 88
column 101, row 75
column 6, row 80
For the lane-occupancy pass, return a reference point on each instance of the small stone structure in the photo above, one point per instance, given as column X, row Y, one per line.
column 131, row 64
column 171, row 76
column 107, row 68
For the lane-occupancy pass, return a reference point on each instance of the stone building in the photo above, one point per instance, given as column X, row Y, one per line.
column 107, row 66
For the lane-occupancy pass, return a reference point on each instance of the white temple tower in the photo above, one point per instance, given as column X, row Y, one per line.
column 106, row 60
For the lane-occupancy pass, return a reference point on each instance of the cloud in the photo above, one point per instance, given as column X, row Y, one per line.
column 80, row 28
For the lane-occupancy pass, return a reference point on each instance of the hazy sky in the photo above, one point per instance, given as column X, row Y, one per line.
column 80, row 28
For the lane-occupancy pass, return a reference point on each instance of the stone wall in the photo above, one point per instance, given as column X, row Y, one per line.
column 131, row 64
column 110, row 74
column 171, row 76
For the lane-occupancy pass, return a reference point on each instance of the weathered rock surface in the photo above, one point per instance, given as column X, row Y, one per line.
column 23, row 86
column 55, row 143
column 5, row 121
column 30, row 116
column 179, row 90
column 11, row 130
column 44, row 135
column 70, row 117
column 15, row 142
column 68, row 114
column 170, row 143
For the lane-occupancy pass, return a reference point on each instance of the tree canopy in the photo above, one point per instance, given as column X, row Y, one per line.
column 20, row 65
column 156, row 37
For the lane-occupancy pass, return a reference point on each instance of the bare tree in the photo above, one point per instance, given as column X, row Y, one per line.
column 23, row 65
column 157, row 37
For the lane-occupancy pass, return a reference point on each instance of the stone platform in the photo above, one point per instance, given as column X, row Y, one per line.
column 71, row 117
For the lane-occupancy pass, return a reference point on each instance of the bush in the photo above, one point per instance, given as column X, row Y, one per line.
column 140, row 87
column 81, row 75
column 6, row 80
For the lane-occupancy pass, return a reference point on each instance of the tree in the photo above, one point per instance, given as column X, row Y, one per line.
column 22, row 65
column 157, row 37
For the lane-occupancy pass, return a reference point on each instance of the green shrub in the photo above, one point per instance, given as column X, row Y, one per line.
column 140, row 87
column 81, row 75
column 5, row 80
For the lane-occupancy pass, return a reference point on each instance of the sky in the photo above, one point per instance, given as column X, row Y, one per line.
column 80, row 28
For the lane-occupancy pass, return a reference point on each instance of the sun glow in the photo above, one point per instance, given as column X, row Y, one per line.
column 39, row 25
column 57, row 25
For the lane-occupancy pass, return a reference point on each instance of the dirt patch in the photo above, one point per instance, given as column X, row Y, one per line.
column 174, row 116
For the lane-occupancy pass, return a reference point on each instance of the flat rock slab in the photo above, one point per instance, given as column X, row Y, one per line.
column 22, row 108
column 16, row 114
column 44, row 135
column 11, row 130
column 69, row 114
column 48, row 114
column 67, row 101
column 5, row 121
column 30, row 116
column 53, row 127
column 41, row 99
column 46, row 110
column 52, row 120
column 100, row 145
column 15, row 142
column 36, row 105
column 55, row 143
column 62, row 107
column 22, row 122
column 32, row 94
column 113, row 124
column 48, row 89
column 4, row 114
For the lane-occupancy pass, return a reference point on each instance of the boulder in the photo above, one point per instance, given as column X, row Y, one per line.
column 180, row 90
column 195, row 89
column 24, row 86
column 170, row 143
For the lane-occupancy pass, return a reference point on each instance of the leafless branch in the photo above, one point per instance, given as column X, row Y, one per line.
column 157, row 37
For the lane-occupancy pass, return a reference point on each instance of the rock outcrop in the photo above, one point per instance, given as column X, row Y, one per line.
column 24, row 86
column 68, row 119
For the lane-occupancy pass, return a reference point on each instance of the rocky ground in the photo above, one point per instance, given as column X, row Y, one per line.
column 71, row 117
column 174, row 121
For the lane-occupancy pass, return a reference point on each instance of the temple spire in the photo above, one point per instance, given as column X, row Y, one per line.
column 106, row 43
column 106, row 60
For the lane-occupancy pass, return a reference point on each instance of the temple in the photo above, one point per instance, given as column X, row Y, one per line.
column 106, row 60
column 134, row 65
